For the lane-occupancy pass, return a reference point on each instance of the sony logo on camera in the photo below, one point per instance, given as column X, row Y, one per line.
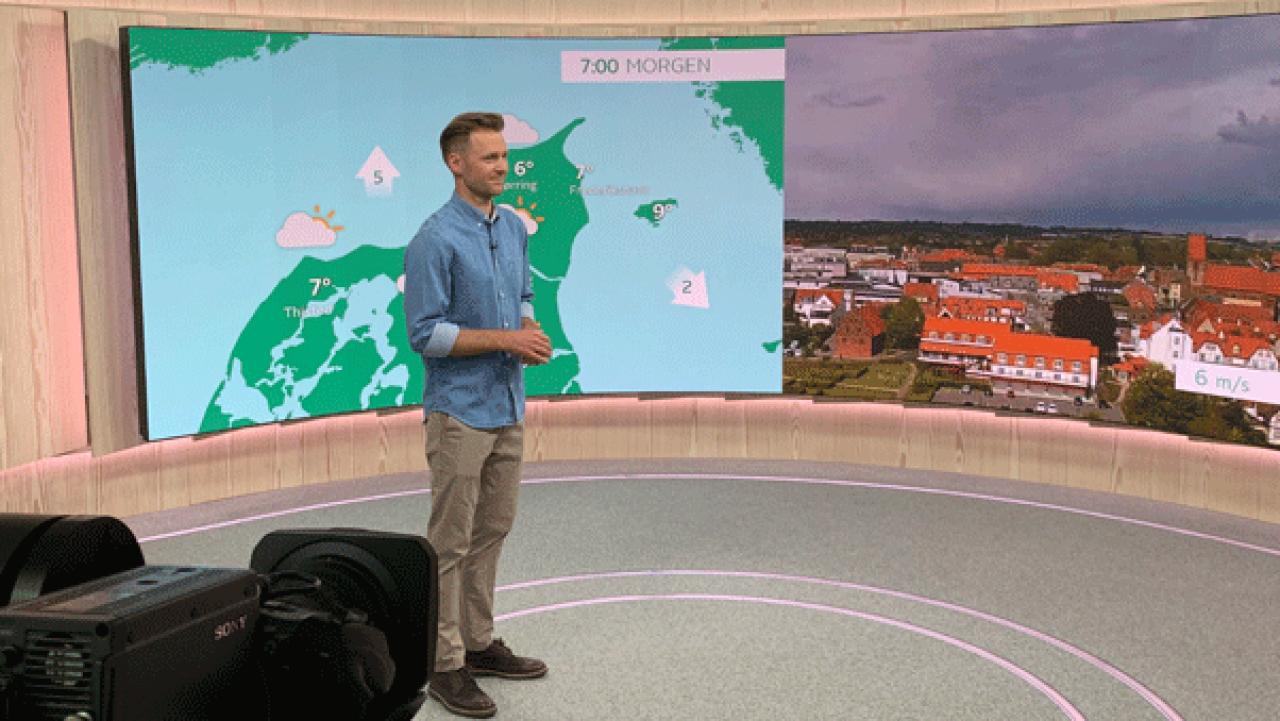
column 226, row 630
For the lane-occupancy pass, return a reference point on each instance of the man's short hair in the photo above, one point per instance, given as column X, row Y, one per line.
column 457, row 134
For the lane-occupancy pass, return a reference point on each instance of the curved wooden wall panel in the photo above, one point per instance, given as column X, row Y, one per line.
column 42, row 388
column 102, row 204
column 1056, row 451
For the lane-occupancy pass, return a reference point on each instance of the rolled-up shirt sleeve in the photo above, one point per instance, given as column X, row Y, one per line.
column 427, row 292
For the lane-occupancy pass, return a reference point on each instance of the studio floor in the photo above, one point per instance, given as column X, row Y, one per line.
column 732, row 589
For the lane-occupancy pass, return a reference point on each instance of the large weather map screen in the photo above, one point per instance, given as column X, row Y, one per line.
column 279, row 177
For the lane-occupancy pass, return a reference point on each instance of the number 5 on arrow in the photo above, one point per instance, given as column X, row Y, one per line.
column 378, row 174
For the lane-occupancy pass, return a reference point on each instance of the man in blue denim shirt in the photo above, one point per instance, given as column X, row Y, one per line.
column 467, row 304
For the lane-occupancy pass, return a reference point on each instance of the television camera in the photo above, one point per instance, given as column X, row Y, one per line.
column 336, row 623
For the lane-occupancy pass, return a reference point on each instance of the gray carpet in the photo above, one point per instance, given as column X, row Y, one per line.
column 706, row 589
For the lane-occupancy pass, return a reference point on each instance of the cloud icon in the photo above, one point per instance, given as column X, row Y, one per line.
column 303, row 231
column 517, row 132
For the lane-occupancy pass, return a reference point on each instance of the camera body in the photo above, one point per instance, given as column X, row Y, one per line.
column 153, row 643
column 84, row 640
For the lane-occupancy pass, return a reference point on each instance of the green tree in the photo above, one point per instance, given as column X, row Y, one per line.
column 821, row 334
column 1152, row 401
column 1017, row 250
column 904, row 321
column 1089, row 317
column 1066, row 249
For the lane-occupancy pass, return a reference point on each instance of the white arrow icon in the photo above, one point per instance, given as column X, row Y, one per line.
column 689, row 288
column 378, row 173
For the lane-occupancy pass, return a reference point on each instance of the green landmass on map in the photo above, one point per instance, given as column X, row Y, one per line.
column 294, row 366
column 563, row 215
column 331, row 338
column 749, row 111
column 200, row 50
column 655, row 210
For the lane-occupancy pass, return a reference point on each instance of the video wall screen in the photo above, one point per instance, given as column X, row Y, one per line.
column 279, row 178
column 1071, row 220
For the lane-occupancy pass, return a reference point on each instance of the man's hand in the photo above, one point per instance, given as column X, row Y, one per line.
column 530, row 343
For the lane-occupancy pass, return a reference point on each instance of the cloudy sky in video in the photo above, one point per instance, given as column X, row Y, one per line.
column 1163, row 126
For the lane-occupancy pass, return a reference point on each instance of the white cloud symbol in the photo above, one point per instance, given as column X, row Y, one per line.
column 517, row 132
column 302, row 231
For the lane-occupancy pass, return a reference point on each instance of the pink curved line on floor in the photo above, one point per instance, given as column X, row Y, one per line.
column 1147, row 695
column 916, row 489
column 1029, row 678
column 773, row 479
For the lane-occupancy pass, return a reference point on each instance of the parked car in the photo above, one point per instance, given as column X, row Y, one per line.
column 1078, row 401
column 1041, row 407
column 1051, row 408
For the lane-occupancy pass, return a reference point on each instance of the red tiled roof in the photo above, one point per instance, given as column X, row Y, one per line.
column 958, row 327
column 1202, row 309
column 1228, row 344
column 1069, row 282
column 1243, row 278
column 987, row 269
column 1147, row 329
column 1140, row 294
column 977, row 307
column 1124, row 273
column 1199, row 338
column 1082, row 267
column 928, row 291
column 940, row 346
column 943, row 256
column 1049, row 346
column 812, row 294
column 1132, row 364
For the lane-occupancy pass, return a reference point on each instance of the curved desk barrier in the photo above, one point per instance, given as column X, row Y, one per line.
column 1232, row 479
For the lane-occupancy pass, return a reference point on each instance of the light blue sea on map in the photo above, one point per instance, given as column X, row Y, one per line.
column 234, row 161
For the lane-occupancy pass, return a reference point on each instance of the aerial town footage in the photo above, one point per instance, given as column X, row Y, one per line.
column 1085, row 324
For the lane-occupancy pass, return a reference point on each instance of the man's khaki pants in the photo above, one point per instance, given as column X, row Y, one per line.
column 475, row 479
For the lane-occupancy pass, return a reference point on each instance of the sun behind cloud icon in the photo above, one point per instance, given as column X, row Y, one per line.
column 526, row 214
column 305, row 231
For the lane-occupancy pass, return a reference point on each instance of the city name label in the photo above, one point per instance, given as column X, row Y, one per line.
column 672, row 66
column 1246, row 384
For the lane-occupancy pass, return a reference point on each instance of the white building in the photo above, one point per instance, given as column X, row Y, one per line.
column 1167, row 344
column 813, row 267
column 816, row 306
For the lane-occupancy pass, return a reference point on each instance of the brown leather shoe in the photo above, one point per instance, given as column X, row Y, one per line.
column 498, row 660
column 458, row 692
